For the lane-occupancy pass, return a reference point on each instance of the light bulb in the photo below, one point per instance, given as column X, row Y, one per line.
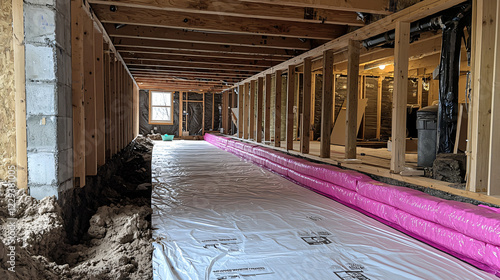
column 381, row 67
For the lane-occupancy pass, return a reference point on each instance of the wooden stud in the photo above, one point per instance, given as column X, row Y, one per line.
column 136, row 110
column 419, row 91
column 306, row 107
column 494, row 158
column 326, row 104
column 483, row 57
column 90, row 98
column 99, row 95
column 277, row 110
column 234, row 99
column 20, row 93
column 246, row 110
column 107, row 101
column 77, row 92
column 267, row 115
column 241, row 97
column 379, row 106
column 290, row 94
column 213, row 111
column 181, row 112
column 252, row 110
column 203, row 118
column 402, row 44
column 112, row 109
column 260, row 101
column 352, row 99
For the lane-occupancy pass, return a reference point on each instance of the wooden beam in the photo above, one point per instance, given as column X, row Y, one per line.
column 201, row 60
column 494, row 158
column 267, row 115
column 372, row 7
column 90, row 98
column 20, row 93
column 327, row 104
column 210, row 48
column 379, row 105
column 483, row 57
column 251, row 114
column 108, row 101
column 77, row 92
column 179, row 35
column 246, row 111
column 290, row 94
column 352, row 99
column 260, row 101
column 306, row 107
column 213, row 111
column 181, row 111
column 232, row 24
column 189, row 65
column 205, row 54
column 410, row 14
column 240, row 9
column 181, row 76
column 99, row 95
column 402, row 44
column 182, row 72
column 277, row 110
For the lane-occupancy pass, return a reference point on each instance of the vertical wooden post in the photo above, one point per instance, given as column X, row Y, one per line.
column 181, row 110
column 267, row 119
column 252, row 110
column 107, row 104
column 234, row 101
column 306, row 107
column 402, row 45
column 277, row 110
column 203, row 117
column 260, row 101
column 213, row 109
column 419, row 91
column 290, row 94
column 99, row 90
column 241, row 94
column 493, row 174
column 112, row 109
column 77, row 92
column 379, row 106
column 352, row 99
column 90, row 100
column 326, row 104
column 246, row 111
column 483, row 57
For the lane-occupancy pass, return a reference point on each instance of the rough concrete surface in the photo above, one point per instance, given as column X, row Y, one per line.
column 117, row 240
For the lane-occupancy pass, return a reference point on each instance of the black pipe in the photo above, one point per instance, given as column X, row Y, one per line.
column 449, row 73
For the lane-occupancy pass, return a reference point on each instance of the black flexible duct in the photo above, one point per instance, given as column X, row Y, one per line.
column 449, row 73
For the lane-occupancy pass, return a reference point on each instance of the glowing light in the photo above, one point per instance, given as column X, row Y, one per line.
column 381, row 67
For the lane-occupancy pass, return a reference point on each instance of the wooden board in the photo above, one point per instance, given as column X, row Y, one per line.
column 277, row 109
column 327, row 104
column 352, row 121
column 338, row 135
column 290, row 96
column 260, row 105
column 306, row 107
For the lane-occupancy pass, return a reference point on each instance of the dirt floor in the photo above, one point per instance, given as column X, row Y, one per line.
column 117, row 242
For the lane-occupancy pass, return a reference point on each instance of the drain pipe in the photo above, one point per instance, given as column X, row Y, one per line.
column 449, row 73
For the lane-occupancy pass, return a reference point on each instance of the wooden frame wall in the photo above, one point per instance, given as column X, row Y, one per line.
column 104, row 96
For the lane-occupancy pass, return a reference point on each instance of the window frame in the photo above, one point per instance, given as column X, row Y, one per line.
column 161, row 122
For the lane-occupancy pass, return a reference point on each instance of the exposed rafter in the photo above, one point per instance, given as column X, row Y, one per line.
column 364, row 6
column 237, row 25
column 247, row 10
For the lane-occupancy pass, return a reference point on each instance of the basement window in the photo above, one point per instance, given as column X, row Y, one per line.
column 160, row 107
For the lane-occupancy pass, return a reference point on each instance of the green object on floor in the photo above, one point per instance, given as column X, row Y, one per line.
column 167, row 137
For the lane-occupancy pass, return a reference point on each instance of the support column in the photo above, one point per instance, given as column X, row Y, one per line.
column 246, row 110
column 290, row 94
column 306, row 107
column 277, row 110
column 326, row 104
column 260, row 101
column 48, row 97
column 267, row 117
column 379, row 105
column 352, row 99
column 241, row 92
column 494, row 157
column 252, row 110
column 402, row 45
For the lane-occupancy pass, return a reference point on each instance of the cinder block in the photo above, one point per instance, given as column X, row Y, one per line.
column 65, row 165
column 41, row 2
column 40, row 99
column 39, row 24
column 41, row 191
column 64, row 133
column 40, row 63
column 42, row 169
column 42, row 133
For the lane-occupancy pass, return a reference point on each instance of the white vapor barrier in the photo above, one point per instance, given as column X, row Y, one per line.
column 216, row 216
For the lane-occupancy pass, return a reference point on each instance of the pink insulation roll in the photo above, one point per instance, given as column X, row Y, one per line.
column 379, row 209
column 417, row 203
column 471, row 220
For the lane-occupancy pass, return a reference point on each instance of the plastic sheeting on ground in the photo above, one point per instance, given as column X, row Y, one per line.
column 216, row 216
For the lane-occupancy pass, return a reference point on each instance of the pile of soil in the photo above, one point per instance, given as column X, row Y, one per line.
column 116, row 245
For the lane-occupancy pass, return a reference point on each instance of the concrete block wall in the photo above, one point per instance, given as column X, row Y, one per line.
column 47, row 26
